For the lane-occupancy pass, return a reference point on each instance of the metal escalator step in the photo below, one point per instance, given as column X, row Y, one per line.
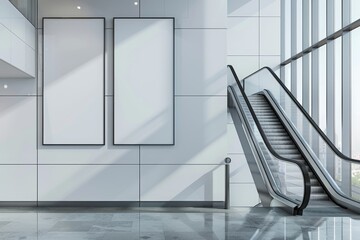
column 265, row 115
column 270, row 122
column 282, row 143
column 265, row 120
column 279, row 138
column 262, row 109
column 293, row 156
column 277, row 134
column 273, row 128
column 319, row 196
column 282, row 152
column 317, row 189
column 268, row 119
column 259, row 112
column 313, row 181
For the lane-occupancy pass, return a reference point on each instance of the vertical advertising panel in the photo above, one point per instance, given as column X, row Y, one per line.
column 144, row 81
column 73, row 81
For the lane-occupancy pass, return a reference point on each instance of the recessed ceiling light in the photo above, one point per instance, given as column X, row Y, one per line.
column 5, row 86
column 78, row 7
column 136, row 3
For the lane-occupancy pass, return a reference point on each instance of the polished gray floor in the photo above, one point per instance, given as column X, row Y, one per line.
column 167, row 223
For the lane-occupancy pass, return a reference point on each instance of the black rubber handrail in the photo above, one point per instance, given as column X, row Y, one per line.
column 313, row 123
column 304, row 171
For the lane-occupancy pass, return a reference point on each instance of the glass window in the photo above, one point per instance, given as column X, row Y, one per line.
column 354, row 10
column 338, row 91
column 288, row 76
column 322, row 88
column 322, row 19
column 299, row 40
column 306, row 82
column 306, row 23
column 338, row 104
column 337, row 15
column 299, row 78
column 355, row 93
column 287, row 24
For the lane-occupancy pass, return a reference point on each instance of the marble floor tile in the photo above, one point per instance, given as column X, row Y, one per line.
column 174, row 224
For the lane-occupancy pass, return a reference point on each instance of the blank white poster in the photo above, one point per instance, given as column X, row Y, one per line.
column 73, row 81
column 144, row 81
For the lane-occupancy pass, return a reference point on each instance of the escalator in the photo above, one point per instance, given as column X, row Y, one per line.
column 293, row 163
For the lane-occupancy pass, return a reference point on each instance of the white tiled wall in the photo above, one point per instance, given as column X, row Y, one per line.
column 18, row 130
column 191, row 170
column 200, row 62
column 243, row 36
column 192, row 167
column 253, row 42
column 88, row 183
column 18, row 183
column 107, row 154
column 199, row 139
column 185, row 182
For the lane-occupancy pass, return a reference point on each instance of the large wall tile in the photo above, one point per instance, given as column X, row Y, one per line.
column 89, row 8
column 18, row 130
column 243, row 36
column 188, row 13
column 270, row 8
column 182, row 183
column 200, row 134
column 88, row 183
column 243, row 195
column 239, row 169
column 200, row 62
column 234, row 145
column 243, row 8
column 18, row 183
column 108, row 154
column 270, row 36
column 244, row 65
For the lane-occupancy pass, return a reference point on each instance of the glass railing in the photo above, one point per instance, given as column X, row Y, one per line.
column 323, row 152
column 288, row 178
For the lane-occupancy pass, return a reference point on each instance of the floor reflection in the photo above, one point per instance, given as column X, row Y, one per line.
column 161, row 223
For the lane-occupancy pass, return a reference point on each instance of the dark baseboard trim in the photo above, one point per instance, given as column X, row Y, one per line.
column 18, row 204
column 88, row 204
column 177, row 204
column 199, row 204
